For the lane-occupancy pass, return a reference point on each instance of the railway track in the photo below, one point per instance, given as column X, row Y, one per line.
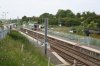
column 65, row 50
column 63, row 46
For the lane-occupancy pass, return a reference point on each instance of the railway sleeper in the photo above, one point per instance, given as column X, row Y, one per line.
column 66, row 57
column 79, row 54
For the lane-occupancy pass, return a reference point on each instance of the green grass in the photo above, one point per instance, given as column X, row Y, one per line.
column 78, row 29
column 11, row 55
column 61, row 29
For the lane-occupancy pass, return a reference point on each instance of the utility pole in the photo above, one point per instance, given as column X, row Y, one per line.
column 5, row 14
column 59, row 23
column 46, row 31
column 10, row 21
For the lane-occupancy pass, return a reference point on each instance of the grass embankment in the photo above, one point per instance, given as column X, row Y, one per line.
column 11, row 54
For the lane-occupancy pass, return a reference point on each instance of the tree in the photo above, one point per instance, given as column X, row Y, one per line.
column 53, row 21
column 92, row 14
column 64, row 13
column 69, row 13
column 51, row 17
column 92, row 25
column 46, row 15
column 78, row 15
column 84, row 15
column 60, row 13
column 1, row 24
column 24, row 19
column 97, row 20
column 70, row 22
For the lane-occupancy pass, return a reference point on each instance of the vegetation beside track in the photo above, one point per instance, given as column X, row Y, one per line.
column 12, row 54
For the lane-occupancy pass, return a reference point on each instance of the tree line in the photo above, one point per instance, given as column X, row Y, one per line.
column 67, row 18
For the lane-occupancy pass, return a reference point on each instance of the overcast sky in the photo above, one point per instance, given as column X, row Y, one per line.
column 37, row 7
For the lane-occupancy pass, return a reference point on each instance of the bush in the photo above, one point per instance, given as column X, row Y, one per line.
column 16, row 36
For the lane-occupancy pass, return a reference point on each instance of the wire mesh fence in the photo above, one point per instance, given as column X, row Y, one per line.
column 3, row 33
column 84, row 40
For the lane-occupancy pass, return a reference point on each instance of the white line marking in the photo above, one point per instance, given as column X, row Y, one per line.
column 60, row 58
